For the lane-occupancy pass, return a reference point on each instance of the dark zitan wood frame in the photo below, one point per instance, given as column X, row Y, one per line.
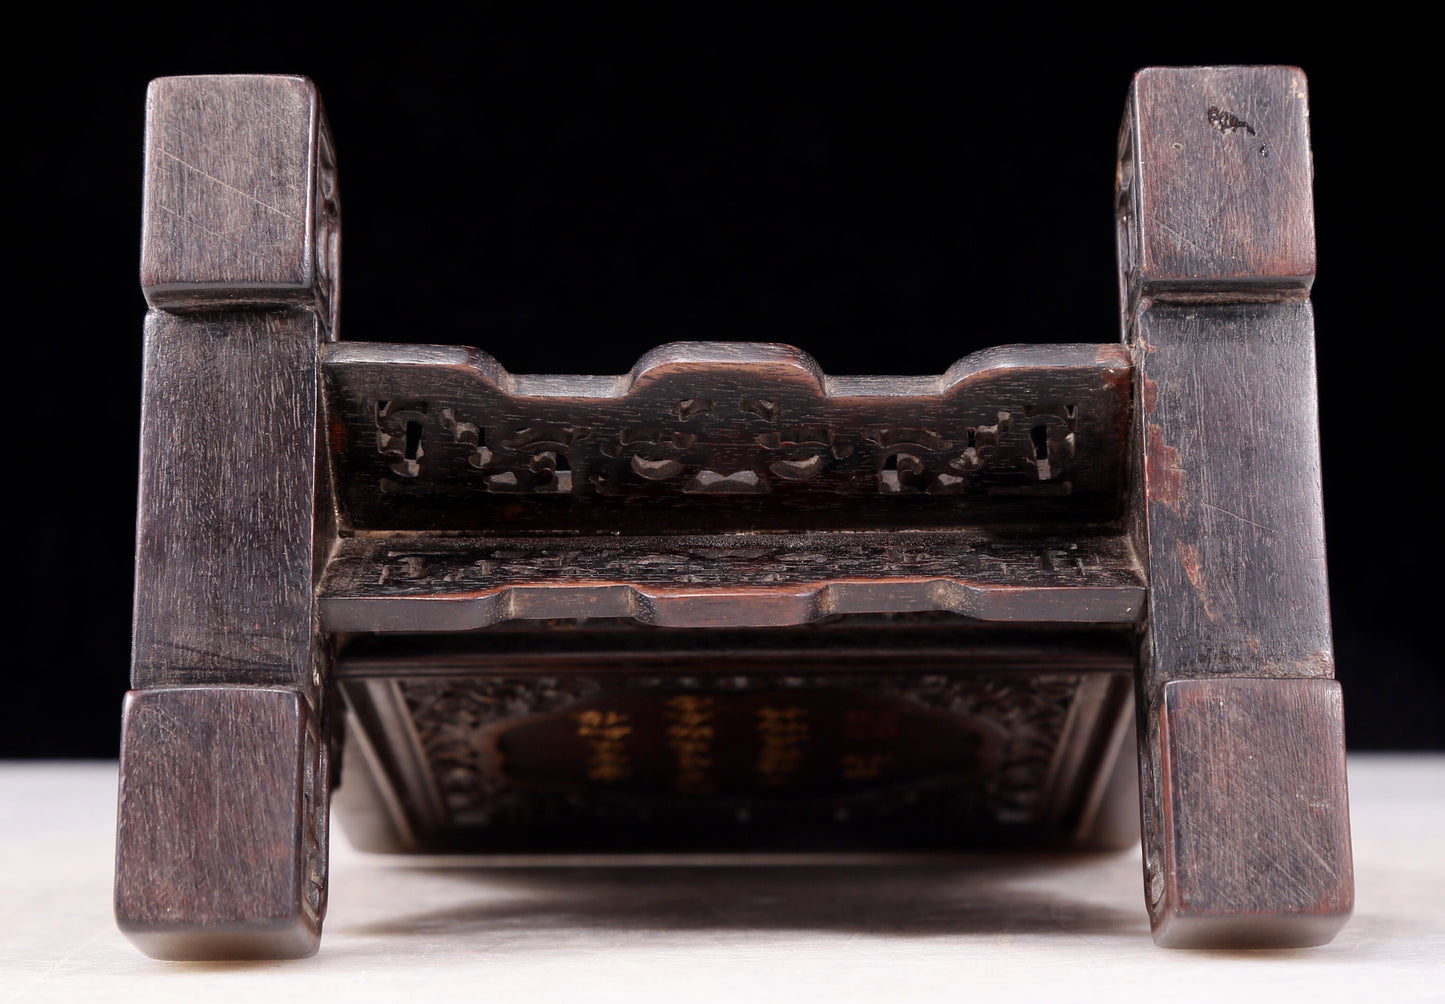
column 1164, row 491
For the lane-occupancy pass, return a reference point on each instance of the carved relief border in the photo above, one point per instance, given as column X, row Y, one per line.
column 453, row 718
column 718, row 424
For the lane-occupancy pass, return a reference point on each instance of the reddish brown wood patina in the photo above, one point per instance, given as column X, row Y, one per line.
column 726, row 600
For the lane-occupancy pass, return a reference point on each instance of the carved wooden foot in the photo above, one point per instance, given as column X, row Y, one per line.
column 1252, row 841
column 221, row 843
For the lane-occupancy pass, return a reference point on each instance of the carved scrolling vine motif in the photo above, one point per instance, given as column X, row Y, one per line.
column 717, row 459
column 729, row 421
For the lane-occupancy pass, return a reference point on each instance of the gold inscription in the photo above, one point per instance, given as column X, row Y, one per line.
column 690, row 735
column 606, row 755
column 785, row 733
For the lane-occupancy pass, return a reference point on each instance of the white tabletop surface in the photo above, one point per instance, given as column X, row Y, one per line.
column 974, row 929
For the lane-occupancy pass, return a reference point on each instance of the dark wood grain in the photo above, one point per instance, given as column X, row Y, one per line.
column 420, row 583
column 226, row 553
column 224, row 785
column 241, row 207
column 221, row 838
column 658, row 608
column 1231, row 492
column 1214, row 183
column 1216, row 250
column 704, row 437
column 1256, row 833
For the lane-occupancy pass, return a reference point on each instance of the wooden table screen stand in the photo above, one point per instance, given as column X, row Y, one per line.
column 725, row 599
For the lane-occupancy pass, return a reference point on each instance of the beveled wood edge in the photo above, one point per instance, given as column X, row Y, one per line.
column 723, row 607
column 317, row 269
column 359, row 592
column 1139, row 290
column 763, row 361
column 1305, row 917
column 183, row 929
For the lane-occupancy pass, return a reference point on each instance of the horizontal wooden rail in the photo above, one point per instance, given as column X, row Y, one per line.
column 430, row 583
column 721, row 437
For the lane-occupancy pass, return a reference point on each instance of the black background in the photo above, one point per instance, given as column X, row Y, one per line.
column 887, row 190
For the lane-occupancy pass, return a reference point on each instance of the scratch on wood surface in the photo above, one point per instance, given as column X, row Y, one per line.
column 1206, row 252
column 244, row 194
column 1227, row 512
column 187, row 220
column 1317, row 664
column 1329, row 866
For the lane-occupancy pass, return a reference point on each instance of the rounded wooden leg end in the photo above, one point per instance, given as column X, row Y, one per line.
column 222, row 829
column 293, row 939
column 1173, row 929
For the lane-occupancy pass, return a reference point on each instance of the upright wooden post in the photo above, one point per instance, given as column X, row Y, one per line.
column 1246, row 829
column 221, row 839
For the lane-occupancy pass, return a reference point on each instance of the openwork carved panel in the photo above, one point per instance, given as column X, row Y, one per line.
column 722, row 435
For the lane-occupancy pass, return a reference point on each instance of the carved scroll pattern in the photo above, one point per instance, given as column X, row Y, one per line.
column 445, row 439
column 1031, row 712
column 326, row 234
column 315, row 806
column 754, row 454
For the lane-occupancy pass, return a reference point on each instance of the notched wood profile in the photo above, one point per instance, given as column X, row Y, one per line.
column 754, row 580
column 241, row 203
column 726, row 601
column 725, row 436
column 1245, row 817
column 1214, row 185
